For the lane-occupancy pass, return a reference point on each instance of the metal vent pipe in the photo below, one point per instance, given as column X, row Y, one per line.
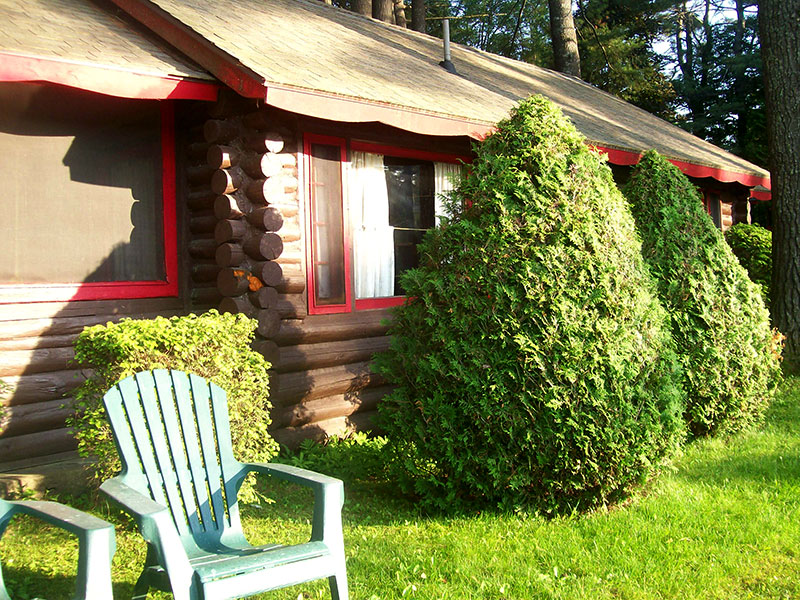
column 447, row 64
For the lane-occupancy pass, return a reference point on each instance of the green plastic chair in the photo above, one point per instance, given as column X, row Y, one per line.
column 180, row 482
column 96, row 544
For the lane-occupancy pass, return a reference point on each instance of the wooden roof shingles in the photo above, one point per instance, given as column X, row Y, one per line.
column 316, row 59
column 77, row 43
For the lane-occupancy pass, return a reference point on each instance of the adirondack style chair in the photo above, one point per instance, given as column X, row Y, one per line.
column 96, row 544
column 180, row 481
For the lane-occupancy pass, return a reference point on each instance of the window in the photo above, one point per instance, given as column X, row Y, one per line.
column 366, row 217
column 90, row 197
column 711, row 199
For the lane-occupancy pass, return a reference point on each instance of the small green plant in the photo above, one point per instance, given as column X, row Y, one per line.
column 355, row 457
column 532, row 364
column 720, row 325
column 752, row 245
column 212, row 345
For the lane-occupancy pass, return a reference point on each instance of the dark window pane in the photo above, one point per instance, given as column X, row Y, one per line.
column 327, row 224
column 405, row 254
column 83, row 192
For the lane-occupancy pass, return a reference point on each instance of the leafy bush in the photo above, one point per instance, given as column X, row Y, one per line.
column 355, row 457
column 719, row 323
column 752, row 245
column 212, row 345
column 531, row 362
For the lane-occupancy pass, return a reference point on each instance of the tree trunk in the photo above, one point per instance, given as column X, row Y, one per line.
column 780, row 50
column 362, row 7
column 383, row 10
column 418, row 15
column 564, row 38
column 400, row 13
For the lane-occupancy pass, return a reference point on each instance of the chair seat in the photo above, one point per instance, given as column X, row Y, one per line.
column 211, row 567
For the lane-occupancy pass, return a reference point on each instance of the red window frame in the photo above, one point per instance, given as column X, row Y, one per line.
column 352, row 303
column 118, row 290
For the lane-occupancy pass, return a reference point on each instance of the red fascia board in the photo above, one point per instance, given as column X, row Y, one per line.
column 222, row 65
column 103, row 79
column 627, row 158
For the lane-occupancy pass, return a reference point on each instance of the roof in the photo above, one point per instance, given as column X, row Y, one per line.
column 77, row 43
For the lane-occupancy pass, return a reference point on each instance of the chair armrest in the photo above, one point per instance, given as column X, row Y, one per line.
column 132, row 501
column 96, row 542
column 328, row 497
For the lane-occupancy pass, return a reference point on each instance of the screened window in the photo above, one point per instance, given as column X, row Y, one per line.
column 85, row 194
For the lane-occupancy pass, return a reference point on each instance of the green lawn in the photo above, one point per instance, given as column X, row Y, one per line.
column 724, row 524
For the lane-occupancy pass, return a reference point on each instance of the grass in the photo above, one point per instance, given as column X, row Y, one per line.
column 724, row 523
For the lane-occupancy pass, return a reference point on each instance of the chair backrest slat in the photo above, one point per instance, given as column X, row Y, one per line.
column 208, row 444
column 167, row 390
column 144, row 447
column 230, row 467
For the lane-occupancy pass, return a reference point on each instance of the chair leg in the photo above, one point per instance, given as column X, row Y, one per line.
column 338, row 585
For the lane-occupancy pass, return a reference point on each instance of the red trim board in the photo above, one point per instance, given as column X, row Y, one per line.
column 104, row 79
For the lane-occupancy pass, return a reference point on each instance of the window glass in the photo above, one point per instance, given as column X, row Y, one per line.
column 83, row 187
column 327, row 225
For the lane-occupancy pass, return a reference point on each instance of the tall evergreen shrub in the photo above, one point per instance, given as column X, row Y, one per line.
column 752, row 245
column 720, row 325
column 531, row 361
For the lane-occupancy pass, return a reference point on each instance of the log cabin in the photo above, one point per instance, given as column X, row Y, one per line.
column 278, row 158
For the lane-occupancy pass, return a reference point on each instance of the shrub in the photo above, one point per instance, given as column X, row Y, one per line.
column 752, row 245
column 719, row 323
column 532, row 366
column 355, row 457
column 212, row 345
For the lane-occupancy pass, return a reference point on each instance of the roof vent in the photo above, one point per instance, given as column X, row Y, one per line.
column 447, row 64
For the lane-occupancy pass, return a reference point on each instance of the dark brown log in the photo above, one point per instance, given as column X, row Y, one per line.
column 200, row 199
column 330, row 328
column 268, row 349
column 291, row 388
column 319, row 430
column 269, row 323
column 292, row 306
column 206, row 296
column 203, row 272
column 32, row 418
column 270, row 141
column 240, row 304
column 292, row 282
column 42, row 443
column 228, row 231
column 268, row 164
column 233, row 282
column 31, row 343
column 330, row 354
column 226, row 207
column 271, row 273
column 271, row 190
column 227, row 181
column 203, row 223
column 340, row 405
column 268, row 218
column 229, row 104
column 199, row 175
column 229, row 255
column 39, row 360
column 197, row 150
column 203, row 248
column 222, row 157
column 217, row 131
column 265, row 297
column 111, row 308
column 40, row 387
column 266, row 246
column 260, row 119
column 42, row 328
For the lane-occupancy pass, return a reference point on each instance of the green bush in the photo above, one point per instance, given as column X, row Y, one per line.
column 212, row 345
column 355, row 457
column 752, row 245
column 532, row 366
column 730, row 356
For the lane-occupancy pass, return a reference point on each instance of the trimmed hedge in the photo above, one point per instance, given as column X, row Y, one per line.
column 532, row 365
column 212, row 345
column 752, row 245
column 720, row 325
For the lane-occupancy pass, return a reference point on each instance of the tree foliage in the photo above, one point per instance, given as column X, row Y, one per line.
column 532, row 366
column 752, row 245
column 720, row 325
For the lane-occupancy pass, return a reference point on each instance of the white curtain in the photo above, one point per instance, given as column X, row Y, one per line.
column 373, row 238
column 445, row 174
